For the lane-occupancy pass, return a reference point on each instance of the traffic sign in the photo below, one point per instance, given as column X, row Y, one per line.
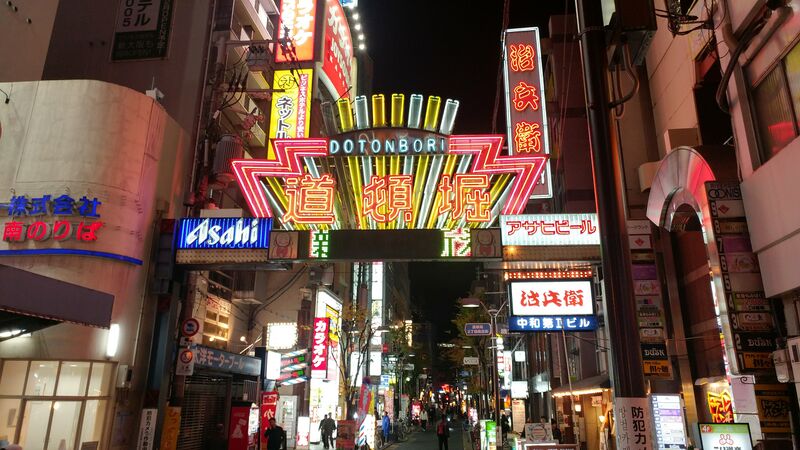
column 185, row 363
column 478, row 329
column 190, row 327
column 186, row 356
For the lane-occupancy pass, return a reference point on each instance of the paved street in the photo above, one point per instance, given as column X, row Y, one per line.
column 427, row 440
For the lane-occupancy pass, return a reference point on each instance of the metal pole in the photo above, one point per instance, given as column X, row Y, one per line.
column 626, row 359
column 495, row 380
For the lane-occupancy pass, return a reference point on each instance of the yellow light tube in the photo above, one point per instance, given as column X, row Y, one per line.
column 378, row 111
column 398, row 107
column 345, row 114
column 432, row 112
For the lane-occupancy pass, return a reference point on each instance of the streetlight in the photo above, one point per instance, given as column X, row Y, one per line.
column 471, row 302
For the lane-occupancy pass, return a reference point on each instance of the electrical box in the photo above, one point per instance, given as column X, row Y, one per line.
column 793, row 347
column 124, row 375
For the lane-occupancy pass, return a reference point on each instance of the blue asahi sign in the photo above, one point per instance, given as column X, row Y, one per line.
column 223, row 233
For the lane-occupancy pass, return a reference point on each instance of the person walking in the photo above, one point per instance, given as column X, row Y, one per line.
column 323, row 429
column 276, row 437
column 386, row 425
column 331, row 430
column 423, row 417
column 443, row 432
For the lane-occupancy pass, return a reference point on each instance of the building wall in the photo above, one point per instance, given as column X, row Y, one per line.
column 101, row 140
column 81, row 48
column 25, row 44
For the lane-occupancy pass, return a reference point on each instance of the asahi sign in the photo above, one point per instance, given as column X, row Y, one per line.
column 223, row 233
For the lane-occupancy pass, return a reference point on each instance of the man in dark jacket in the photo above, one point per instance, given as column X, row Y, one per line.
column 443, row 432
column 276, row 437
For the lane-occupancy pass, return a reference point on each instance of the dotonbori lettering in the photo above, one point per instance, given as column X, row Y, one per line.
column 392, row 146
column 236, row 234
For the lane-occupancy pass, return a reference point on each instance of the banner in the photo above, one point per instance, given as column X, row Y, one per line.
column 291, row 109
column 238, row 434
column 142, row 29
column 346, row 435
column 364, row 402
column 269, row 406
column 320, row 342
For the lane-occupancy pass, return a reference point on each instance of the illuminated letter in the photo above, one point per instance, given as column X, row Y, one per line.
column 375, row 148
column 361, row 146
column 348, row 146
column 417, row 145
column 431, row 145
column 389, row 145
column 333, row 147
column 403, row 145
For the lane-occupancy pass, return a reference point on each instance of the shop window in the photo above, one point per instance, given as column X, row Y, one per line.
column 92, row 428
column 35, row 420
column 12, row 378
column 9, row 412
column 777, row 105
column 73, row 378
column 42, row 378
column 101, row 379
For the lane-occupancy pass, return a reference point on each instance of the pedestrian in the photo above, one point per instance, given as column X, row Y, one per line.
column 443, row 432
column 556, row 431
column 323, row 429
column 331, row 431
column 504, row 425
column 386, row 427
column 276, row 437
column 423, row 417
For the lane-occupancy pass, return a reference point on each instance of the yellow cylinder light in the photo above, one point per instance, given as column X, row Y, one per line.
column 345, row 114
column 398, row 106
column 432, row 112
column 378, row 111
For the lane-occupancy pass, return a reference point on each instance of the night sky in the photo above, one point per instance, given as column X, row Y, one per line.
column 449, row 48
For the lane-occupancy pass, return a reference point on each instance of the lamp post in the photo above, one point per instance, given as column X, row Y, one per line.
column 493, row 313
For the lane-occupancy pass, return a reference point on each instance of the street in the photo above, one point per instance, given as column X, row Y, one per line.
column 423, row 440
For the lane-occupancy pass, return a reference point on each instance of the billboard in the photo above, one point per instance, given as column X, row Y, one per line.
column 337, row 49
column 291, row 109
column 550, row 229
column 319, row 347
column 526, row 112
column 223, row 233
column 297, row 22
column 551, row 298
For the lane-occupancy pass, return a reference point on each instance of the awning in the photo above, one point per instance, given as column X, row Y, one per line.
column 29, row 302
column 591, row 385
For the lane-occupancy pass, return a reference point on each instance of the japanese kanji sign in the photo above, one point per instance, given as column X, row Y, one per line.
column 319, row 347
column 297, row 23
column 51, row 217
column 291, row 109
column 214, row 359
column 338, row 49
column 550, row 229
column 526, row 115
column 633, row 418
column 142, row 29
column 552, row 323
column 551, row 298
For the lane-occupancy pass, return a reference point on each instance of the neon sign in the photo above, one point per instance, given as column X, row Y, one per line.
column 220, row 233
column 720, row 406
column 297, row 23
column 551, row 298
column 291, row 107
column 526, row 111
column 337, row 64
column 319, row 347
column 59, row 229
column 550, row 229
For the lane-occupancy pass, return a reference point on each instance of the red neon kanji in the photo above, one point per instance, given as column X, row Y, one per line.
column 562, row 227
column 13, row 232
column 520, row 57
column 466, row 194
column 61, row 230
column 310, row 200
column 573, row 298
column 87, row 231
column 525, row 96
column 551, row 298
column 527, row 137
column 531, row 298
column 386, row 197
column 38, row 231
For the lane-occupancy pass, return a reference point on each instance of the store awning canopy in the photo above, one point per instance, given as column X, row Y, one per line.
column 591, row 385
column 30, row 302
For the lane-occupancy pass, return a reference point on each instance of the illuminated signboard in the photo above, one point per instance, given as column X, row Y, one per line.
column 319, row 347
column 291, row 109
column 518, row 324
column 338, row 49
column 399, row 177
column 28, row 221
column 526, row 112
column 298, row 18
column 551, row 298
column 729, row 436
column 550, row 229
column 670, row 432
column 222, row 233
column 720, row 405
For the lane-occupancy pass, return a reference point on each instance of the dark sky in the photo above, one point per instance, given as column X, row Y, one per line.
column 449, row 48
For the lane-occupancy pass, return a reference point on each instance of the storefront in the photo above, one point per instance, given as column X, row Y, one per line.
column 324, row 385
column 86, row 169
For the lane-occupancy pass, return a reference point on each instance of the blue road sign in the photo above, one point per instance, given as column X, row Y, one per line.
column 478, row 329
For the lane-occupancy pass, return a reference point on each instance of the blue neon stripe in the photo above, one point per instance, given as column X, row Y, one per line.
column 70, row 251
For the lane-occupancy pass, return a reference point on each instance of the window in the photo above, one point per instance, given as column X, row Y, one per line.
column 776, row 101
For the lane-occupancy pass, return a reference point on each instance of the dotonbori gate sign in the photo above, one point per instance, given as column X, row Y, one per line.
column 389, row 177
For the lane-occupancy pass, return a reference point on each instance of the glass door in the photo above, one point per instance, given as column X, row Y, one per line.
column 50, row 424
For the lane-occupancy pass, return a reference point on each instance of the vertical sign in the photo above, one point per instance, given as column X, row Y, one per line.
column 297, row 23
column 750, row 338
column 319, row 347
column 238, row 430
column 338, row 51
column 633, row 423
column 526, row 114
column 269, row 407
column 142, row 29
column 291, row 108
column 171, row 429
column 669, row 431
column 147, row 429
